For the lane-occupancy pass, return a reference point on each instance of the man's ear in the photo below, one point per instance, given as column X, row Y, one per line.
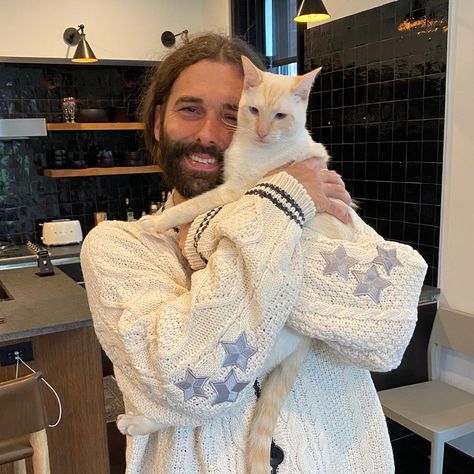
column 157, row 127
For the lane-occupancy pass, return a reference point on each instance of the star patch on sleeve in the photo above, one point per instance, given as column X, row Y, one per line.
column 370, row 284
column 238, row 352
column 192, row 386
column 387, row 258
column 338, row 262
column 228, row 389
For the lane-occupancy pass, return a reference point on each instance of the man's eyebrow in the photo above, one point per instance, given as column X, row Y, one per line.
column 188, row 99
column 231, row 107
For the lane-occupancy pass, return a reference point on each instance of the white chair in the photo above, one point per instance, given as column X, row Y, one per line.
column 436, row 410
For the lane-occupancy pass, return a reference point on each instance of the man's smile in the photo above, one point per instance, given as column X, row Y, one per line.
column 202, row 162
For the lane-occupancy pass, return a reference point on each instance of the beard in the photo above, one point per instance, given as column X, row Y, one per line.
column 187, row 182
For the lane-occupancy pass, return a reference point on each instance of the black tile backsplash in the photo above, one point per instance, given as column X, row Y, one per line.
column 26, row 196
column 379, row 108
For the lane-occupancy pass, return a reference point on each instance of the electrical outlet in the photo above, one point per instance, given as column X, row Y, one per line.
column 7, row 353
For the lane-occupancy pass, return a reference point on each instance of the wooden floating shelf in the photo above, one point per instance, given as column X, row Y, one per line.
column 70, row 127
column 71, row 173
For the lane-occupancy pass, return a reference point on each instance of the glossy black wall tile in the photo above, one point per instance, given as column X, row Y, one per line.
column 26, row 196
column 379, row 108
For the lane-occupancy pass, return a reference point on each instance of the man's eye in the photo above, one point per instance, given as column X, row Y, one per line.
column 280, row 116
column 253, row 110
column 189, row 108
column 230, row 118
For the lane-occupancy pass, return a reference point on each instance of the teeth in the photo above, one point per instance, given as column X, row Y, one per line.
column 203, row 160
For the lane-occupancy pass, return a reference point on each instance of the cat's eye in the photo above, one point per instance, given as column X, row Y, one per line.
column 280, row 116
column 253, row 110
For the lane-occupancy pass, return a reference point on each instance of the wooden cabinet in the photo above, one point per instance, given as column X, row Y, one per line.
column 71, row 362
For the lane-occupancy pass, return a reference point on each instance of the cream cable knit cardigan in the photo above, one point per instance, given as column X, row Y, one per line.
column 168, row 332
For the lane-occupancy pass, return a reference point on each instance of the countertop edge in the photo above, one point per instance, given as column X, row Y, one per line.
column 46, row 330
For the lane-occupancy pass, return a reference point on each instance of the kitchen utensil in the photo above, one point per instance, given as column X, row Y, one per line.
column 105, row 158
column 92, row 115
column 61, row 232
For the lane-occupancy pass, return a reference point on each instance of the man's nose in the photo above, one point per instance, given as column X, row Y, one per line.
column 212, row 132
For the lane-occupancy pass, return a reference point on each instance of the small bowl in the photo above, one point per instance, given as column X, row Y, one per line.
column 92, row 115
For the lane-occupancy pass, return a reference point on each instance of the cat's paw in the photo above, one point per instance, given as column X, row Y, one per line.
column 154, row 224
column 133, row 425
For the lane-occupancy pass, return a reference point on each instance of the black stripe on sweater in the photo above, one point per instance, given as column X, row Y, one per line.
column 282, row 205
column 202, row 227
column 291, row 202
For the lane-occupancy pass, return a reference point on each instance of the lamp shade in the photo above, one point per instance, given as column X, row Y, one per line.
column 84, row 53
column 312, row 10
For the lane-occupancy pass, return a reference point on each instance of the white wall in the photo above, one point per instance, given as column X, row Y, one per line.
column 216, row 15
column 456, row 270
column 456, row 267
column 341, row 8
column 115, row 29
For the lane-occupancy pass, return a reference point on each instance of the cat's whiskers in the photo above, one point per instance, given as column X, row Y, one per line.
column 230, row 125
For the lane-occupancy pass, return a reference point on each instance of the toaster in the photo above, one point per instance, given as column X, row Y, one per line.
column 62, row 232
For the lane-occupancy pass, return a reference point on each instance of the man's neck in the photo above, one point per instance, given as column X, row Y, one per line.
column 177, row 198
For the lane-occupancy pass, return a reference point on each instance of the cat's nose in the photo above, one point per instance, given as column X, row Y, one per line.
column 262, row 131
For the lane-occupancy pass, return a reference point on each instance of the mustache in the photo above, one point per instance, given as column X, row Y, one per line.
column 181, row 149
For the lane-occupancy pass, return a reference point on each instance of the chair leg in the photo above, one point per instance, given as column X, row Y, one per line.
column 437, row 455
column 19, row 467
column 40, row 459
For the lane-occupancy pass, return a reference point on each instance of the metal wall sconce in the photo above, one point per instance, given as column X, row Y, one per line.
column 76, row 36
column 168, row 38
column 312, row 10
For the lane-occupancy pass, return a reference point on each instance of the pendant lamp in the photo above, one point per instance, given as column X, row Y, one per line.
column 312, row 10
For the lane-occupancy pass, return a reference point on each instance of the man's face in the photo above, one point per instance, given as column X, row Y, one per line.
column 197, row 125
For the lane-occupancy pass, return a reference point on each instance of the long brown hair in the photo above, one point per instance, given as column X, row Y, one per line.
column 209, row 46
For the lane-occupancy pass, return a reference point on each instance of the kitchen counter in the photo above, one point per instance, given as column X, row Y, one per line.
column 59, row 254
column 52, row 315
column 41, row 305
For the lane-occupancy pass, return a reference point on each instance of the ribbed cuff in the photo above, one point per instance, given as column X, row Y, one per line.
column 290, row 193
column 195, row 258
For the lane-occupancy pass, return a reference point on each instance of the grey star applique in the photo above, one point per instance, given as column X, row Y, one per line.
column 238, row 352
column 227, row 390
column 192, row 386
column 388, row 258
column 370, row 284
column 338, row 262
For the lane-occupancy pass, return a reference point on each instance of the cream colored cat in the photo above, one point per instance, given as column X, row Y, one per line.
column 271, row 132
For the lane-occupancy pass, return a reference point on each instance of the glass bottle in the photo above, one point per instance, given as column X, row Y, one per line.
column 153, row 208
column 128, row 211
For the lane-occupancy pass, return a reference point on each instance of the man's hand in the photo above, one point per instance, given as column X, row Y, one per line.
column 322, row 185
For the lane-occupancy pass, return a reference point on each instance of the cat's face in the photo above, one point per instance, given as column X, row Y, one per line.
column 273, row 107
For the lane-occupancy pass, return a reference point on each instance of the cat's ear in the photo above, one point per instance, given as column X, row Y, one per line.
column 252, row 75
column 304, row 83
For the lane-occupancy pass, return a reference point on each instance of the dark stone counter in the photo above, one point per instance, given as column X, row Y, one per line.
column 41, row 305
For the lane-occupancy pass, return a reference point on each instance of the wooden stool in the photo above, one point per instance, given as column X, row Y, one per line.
column 23, row 424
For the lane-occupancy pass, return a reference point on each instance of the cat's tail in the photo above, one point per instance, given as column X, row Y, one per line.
column 277, row 386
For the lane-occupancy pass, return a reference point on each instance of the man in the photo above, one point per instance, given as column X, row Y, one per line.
column 188, row 346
